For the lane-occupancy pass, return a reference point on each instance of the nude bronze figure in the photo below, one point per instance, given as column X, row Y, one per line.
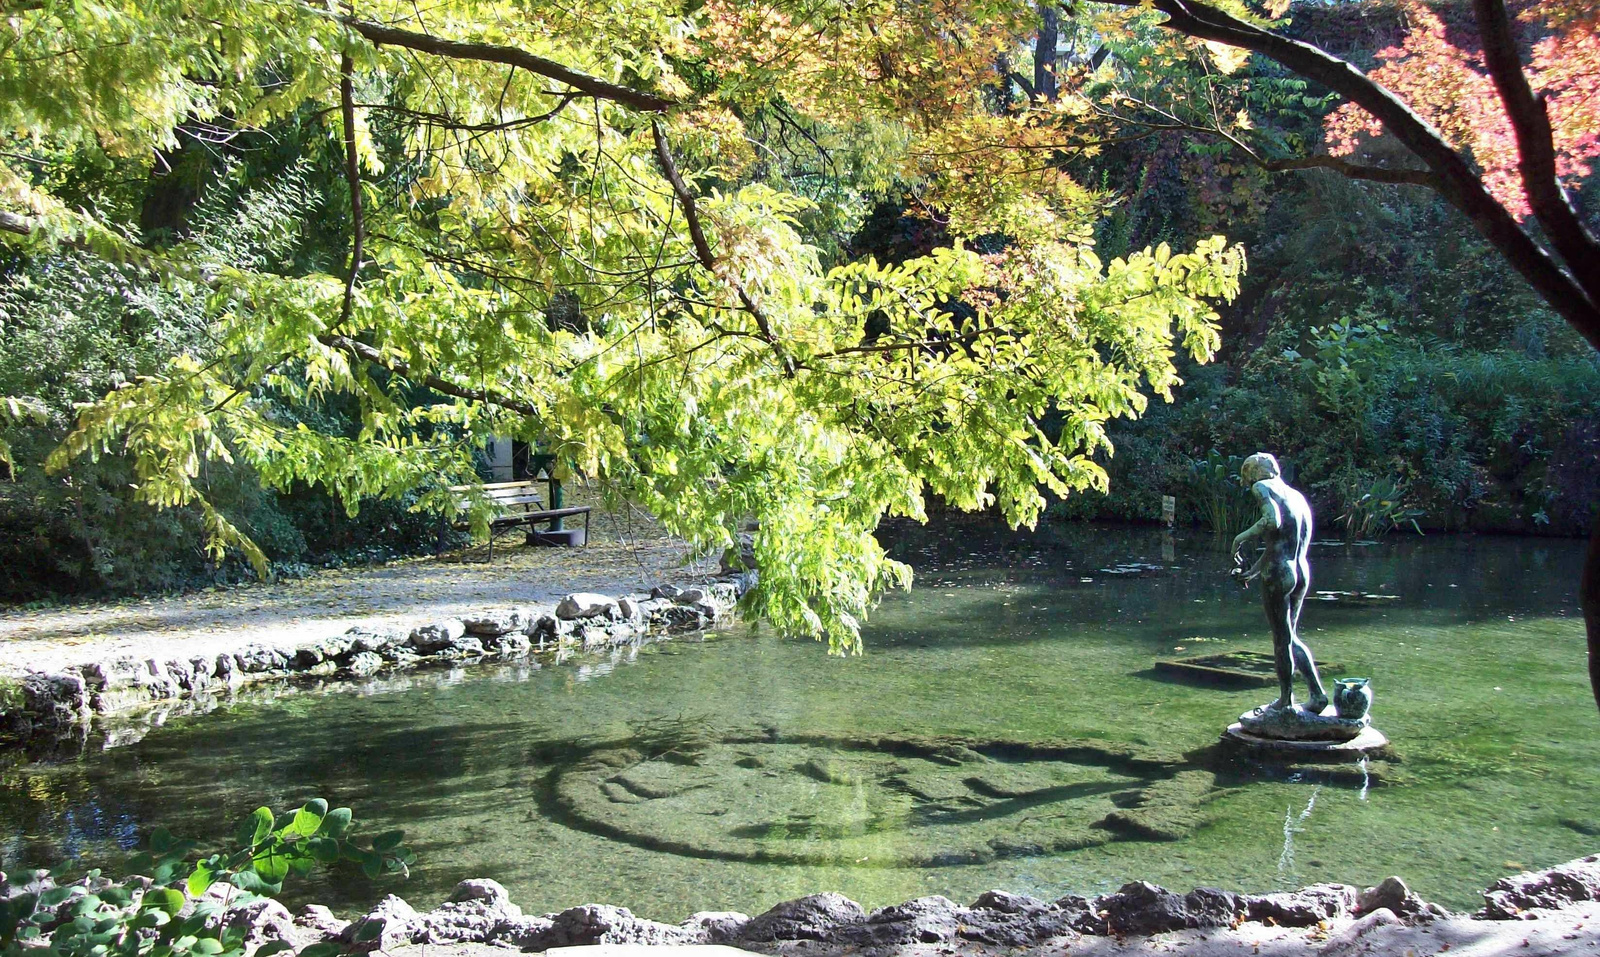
column 1285, row 532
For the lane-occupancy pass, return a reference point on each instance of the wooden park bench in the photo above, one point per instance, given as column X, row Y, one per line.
column 519, row 503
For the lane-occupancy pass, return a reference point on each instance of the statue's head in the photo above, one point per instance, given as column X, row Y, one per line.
column 1258, row 467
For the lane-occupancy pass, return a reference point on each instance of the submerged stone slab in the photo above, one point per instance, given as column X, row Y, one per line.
column 1234, row 669
column 1167, row 810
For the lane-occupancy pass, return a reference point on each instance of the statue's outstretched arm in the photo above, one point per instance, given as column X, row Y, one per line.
column 1269, row 519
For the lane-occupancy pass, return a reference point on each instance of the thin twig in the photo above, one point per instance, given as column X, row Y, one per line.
column 352, row 175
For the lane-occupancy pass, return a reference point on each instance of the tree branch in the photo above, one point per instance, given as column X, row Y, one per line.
column 702, row 247
column 13, row 223
column 1458, row 182
column 929, row 345
column 352, row 175
column 1535, row 148
column 381, row 35
column 1023, row 82
column 1375, row 174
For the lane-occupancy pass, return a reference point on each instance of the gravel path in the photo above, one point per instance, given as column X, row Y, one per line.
column 625, row 554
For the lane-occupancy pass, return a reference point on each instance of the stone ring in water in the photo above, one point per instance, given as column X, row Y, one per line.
column 763, row 795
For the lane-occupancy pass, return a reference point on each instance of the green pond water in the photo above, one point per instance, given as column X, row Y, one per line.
column 1005, row 728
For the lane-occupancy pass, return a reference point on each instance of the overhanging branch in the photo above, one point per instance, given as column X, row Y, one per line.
column 382, row 35
column 1458, row 181
column 1375, row 174
column 1530, row 120
column 13, row 223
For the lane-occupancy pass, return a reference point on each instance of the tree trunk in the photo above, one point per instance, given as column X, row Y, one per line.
column 1003, row 95
column 1589, row 595
column 1044, row 52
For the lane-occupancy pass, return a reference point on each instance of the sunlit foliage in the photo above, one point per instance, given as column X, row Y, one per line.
column 1440, row 73
column 624, row 247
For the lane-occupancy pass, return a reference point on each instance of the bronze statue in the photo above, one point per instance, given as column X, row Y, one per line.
column 1285, row 530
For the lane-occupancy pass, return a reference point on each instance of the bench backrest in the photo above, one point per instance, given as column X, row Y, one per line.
column 507, row 495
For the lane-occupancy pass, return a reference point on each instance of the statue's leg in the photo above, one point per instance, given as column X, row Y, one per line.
column 1276, row 601
column 1297, row 598
column 1308, row 667
column 1299, row 652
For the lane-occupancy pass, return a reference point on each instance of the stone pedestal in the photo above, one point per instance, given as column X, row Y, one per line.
column 1301, row 733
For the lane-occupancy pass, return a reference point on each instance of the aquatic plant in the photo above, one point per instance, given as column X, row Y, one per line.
column 1379, row 510
column 1222, row 503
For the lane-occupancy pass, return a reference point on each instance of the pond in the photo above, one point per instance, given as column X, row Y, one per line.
column 1005, row 728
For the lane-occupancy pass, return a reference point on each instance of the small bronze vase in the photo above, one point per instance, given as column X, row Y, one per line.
column 1352, row 697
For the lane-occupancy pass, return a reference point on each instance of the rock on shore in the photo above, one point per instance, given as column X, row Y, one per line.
column 1556, row 911
column 1535, row 914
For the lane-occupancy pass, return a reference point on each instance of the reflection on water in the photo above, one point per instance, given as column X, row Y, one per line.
column 802, row 772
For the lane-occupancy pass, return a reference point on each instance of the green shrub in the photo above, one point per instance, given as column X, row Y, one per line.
column 1360, row 416
column 149, row 913
column 74, row 327
column 1218, row 497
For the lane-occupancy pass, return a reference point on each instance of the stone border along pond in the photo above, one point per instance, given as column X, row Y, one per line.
column 61, row 704
column 1551, row 907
